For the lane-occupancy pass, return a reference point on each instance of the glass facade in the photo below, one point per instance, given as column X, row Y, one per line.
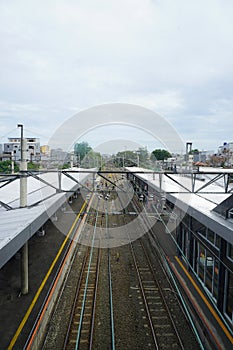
column 207, row 268
column 204, row 258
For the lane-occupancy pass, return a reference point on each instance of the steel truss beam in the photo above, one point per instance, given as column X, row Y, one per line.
column 66, row 173
column 226, row 176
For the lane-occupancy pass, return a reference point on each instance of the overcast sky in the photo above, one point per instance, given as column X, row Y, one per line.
column 174, row 57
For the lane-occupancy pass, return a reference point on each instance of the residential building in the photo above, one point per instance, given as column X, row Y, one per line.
column 13, row 146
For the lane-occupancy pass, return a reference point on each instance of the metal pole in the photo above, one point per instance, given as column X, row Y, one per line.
column 23, row 204
column 12, row 163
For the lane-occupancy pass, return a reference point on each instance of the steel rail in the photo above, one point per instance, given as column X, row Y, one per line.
column 110, row 289
column 75, row 299
column 169, row 272
column 138, row 208
column 163, row 297
column 144, row 297
column 94, row 302
column 143, row 294
column 176, row 332
column 78, row 287
column 86, row 286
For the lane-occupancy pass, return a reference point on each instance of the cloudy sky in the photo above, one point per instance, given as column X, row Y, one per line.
column 62, row 57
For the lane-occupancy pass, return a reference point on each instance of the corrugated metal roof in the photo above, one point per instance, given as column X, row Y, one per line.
column 19, row 224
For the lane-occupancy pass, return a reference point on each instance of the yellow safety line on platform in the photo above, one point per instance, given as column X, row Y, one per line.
column 24, row 320
column 214, row 313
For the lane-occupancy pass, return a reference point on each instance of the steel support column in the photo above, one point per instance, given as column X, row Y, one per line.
column 24, row 269
column 23, row 204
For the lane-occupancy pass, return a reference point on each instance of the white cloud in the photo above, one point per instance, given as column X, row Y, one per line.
column 171, row 56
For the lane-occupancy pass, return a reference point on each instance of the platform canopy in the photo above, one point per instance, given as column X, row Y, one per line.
column 47, row 192
column 200, row 204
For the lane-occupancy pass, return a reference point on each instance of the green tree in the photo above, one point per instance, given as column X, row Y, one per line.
column 92, row 160
column 194, row 151
column 5, row 167
column 33, row 166
column 160, row 154
column 143, row 156
column 81, row 150
column 126, row 158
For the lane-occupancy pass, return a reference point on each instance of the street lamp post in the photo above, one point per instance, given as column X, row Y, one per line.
column 23, row 204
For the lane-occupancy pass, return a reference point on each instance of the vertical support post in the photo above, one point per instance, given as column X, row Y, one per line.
column 24, row 269
column 23, row 178
column 72, row 161
column 160, row 182
column 188, row 150
column 193, row 178
column 226, row 181
column 59, row 181
column 93, row 182
column 23, row 204
column 12, row 163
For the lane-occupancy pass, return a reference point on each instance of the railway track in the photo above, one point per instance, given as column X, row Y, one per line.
column 163, row 329
column 82, row 318
column 79, row 334
column 81, row 328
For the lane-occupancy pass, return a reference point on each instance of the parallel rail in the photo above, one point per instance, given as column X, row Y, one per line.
column 162, row 326
column 81, row 328
column 81, row 325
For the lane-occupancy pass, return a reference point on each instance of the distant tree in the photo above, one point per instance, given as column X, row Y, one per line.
column 64, row 166
column 194, row 151
column 33, row 166
column 143, row 155
column 81, row 150
column 160, row 154
column 126, row 158
column 5, row 167
column 92, row 160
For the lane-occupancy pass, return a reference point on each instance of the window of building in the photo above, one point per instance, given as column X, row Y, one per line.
column 229, row 295
column 230, row 214
column 201, row 261
column 230, row 251
column 202, row 231
column 184, row 241
column 207, row 269
column 211, row 236
column 217, row 241
column 215, row 278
